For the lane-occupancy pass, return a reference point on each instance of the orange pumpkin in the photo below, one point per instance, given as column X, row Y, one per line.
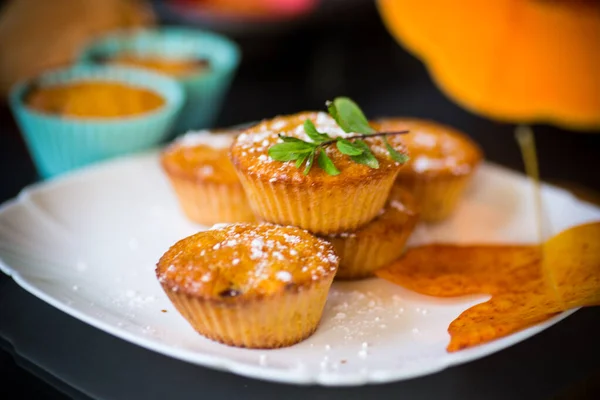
column 513, row 60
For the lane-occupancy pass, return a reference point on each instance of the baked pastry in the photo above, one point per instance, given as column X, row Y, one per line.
column 281, row 193
column 378, row 243
column 442, row 162
column 93, row 99
column 179, row 68
column 204, row 179
column 250, row 285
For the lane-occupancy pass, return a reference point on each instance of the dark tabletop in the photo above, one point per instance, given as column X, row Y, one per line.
column 45, row 353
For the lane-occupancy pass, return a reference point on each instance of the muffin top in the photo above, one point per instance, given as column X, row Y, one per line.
column 201, row 156
column 93, row 99
column 435, row 149
column 246, row 260
column 179, row 68
column 249, row 152
column 400, row 212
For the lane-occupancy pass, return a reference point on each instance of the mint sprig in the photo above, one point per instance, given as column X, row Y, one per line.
column 313, row 134
column 326, row 164
column 347, row 147
column 398, row 157
column 290, row 151
column 351, row 119
column 366, row 157
column 348, row 116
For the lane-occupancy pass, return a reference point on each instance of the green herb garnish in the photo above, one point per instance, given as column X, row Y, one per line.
column 313, row 134
column 350, row 118
column 398, row 157
column 366, row 157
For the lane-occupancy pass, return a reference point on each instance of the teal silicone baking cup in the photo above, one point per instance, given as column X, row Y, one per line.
column 58, row 144
column 205, row 90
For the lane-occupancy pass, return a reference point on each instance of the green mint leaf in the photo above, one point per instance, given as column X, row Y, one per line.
column 301, row 160
column 394, row 155
column 313, row 133
column 310, row 162
column 348, row 116
column 331, row 108
column 290, row 151
column 367, row 158
column 326, row 164
column 348, row 148
column 290, row 139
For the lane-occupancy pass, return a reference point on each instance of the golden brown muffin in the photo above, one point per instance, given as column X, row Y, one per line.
column 207, row 186
column 250, row 285
column 279, row 192
column 379, row 242
column 179, row 68
column 442, row 162
column 93, row 99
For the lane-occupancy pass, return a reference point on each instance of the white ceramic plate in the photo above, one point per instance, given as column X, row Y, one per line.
column 88, row 243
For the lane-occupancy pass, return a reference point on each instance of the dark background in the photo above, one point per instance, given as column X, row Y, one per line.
column 339, row 51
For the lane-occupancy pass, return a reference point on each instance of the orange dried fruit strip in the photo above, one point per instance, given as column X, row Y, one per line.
column 573, row 259
column 515, row 276
column 502, row 315
column 446, row 270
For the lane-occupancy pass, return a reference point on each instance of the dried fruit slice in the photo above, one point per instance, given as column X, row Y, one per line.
column 515, row 276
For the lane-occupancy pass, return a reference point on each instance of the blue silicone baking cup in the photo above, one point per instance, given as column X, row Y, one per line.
column 58, row 144
column 205, row 90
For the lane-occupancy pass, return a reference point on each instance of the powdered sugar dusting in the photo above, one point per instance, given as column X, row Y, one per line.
column 207, row 138
column 284, row 276
column 206, row 170
column 256, row 247
column 424, row 163
column 132, row 299
column 426, row 140
column 220, row 225
column 399, row 206
column 344, row 235
column 291, row 239
column 248, row 257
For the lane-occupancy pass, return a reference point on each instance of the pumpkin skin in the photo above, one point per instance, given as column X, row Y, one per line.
column 519, row 61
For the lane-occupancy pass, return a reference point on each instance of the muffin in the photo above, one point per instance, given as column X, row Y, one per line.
column 323, row 204
column 203, row 63
column 176, row 67
column 443, row 161
column 93, row 99
column 250, row 285
column 204, row 179
column 81, row 115
column 378, row 243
